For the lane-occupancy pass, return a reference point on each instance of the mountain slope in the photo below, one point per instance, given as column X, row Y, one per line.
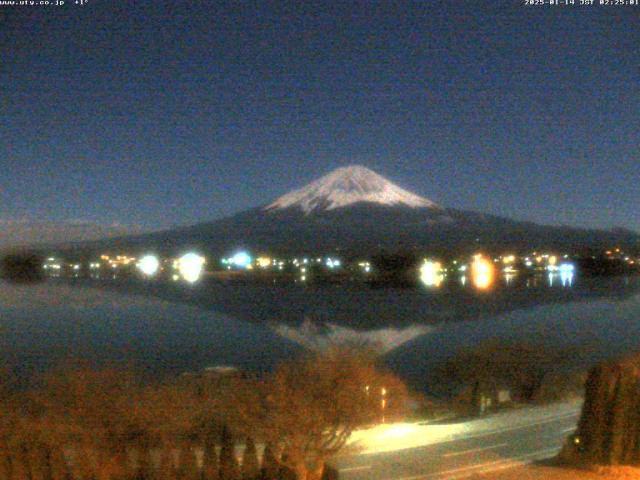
column 30, row 233
column 355, row 211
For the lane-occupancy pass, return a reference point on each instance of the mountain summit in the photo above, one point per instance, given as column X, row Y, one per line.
column 346, row 186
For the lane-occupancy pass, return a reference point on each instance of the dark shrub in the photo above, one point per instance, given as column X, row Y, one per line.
column 21, row 267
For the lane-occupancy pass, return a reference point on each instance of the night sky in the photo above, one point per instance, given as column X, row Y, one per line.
column 158, row 113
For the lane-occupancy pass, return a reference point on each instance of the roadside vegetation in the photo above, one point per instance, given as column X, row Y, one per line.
column 496, row 374
column 83, row 424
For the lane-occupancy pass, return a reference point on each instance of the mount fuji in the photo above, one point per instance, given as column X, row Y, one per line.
column 348, row 186
column 355, row 211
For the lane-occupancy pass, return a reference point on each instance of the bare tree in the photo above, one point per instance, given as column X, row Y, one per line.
column 108, row 422
column 310, row 407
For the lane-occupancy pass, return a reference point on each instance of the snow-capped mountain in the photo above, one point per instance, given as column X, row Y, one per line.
column 355, row 211
column 347, row 186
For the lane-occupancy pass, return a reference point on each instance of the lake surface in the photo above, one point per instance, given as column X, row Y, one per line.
column 167, row 329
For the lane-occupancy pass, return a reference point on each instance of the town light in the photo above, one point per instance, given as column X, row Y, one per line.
column 241, row 259
column 190, row 266
column 263, row 262
column 332, row 262
column 508, row 259
column 482, row 272
column 566, row 273
column 431, row 273
column 149, row 265
column 567, row 267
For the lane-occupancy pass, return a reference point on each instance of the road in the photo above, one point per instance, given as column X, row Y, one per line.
column 538, row 435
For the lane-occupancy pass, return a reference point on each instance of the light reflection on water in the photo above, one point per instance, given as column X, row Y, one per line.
column 566, row 278
column 484, row 278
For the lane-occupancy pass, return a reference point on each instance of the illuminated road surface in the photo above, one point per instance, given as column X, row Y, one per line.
column 477, row 447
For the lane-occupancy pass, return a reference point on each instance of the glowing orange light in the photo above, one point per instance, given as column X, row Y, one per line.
column 482, row 272
column 263, row 262
column 508, row 259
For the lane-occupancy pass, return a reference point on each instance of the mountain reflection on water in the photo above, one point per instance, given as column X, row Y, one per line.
column 320, row 336
column 361, row 308
column 172, row 328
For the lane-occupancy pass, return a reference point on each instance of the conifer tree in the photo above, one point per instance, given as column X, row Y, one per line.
column 286, row 472
column 270, row 465
column 250, row 464
column 145, row 464
column 6, row 463
column 188, row 463
column 167, row 470
column 22, row 465
column 229, row 468
column 42, row 462
column 609, row 428
column 59, row 467
column 210, row 459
